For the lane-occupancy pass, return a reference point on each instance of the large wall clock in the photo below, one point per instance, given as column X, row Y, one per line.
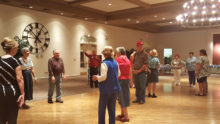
column 37, row 36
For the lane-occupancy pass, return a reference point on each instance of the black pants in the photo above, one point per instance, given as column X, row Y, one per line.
column 8, row 109
column 93, row 71
column 28, row 84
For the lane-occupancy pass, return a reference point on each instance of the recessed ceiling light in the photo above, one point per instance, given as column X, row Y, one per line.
column 137, row 21
column 155, row 16
column 129, row 19
column 30, row 7
column 61, row 13
column 171, row 22
column 163, row 18
column 109, row 4
column 86, row 19
column 106, row 22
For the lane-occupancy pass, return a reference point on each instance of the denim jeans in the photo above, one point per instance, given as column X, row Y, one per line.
column 140, row 85
column 192, row 77
column 109, row 101
column 58, row 82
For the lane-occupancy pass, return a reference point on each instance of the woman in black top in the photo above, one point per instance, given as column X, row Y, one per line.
column 11, row 83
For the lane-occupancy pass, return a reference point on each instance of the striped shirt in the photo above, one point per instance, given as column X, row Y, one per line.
column 8, row 83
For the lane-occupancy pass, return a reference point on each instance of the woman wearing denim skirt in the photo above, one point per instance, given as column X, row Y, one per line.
column 152, row 77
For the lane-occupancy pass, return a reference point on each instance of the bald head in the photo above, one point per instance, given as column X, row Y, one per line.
column 56, row 54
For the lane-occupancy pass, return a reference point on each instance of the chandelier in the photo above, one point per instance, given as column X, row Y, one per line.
column 200, row 13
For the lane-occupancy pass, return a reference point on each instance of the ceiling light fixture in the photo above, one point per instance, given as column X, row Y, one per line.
column 30, row 7
column 86, row 19
column 61, row 13
column 163, row 18
column 128, row 19
column 109, row 4
column 155, row 16
column 200, row 13
column 137, row 21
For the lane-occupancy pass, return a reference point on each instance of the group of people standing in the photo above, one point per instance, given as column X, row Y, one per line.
column 17, row 77
column 142, row 68
column 117, row 76
column 114, row 79
column 196, row 68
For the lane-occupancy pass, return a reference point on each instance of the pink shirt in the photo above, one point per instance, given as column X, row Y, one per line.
column 124, row 66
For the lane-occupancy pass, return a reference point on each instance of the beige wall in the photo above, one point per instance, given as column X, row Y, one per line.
column 65, row 36
column 186, row 41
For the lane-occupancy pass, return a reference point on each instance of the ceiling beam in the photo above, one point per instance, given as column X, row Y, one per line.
column 62, row 7
column 139, row 3
column 78, row 2
column 146, row 12
column 160, row 8
column 170, row 3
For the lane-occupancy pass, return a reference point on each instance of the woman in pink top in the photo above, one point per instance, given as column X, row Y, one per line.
column 124, row 79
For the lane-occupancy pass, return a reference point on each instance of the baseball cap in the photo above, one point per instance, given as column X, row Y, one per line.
column 139, row 43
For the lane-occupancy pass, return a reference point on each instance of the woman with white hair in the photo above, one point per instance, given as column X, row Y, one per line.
column 152, row 77
column 27, row 72
column 124, row 95
column 108, row 86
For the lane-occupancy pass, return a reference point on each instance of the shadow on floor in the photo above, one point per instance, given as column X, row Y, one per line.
column 71, row 86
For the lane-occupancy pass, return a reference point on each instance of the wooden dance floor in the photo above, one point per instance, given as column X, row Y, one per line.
column 174, row 105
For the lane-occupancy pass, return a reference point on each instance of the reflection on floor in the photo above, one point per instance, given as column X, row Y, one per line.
column 71, row 86
column 174, row 105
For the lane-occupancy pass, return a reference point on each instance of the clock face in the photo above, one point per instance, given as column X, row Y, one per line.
column 37, row 36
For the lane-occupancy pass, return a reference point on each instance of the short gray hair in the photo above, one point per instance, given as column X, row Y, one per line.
column 24, row 50
column 121, row 50
column 107, row 51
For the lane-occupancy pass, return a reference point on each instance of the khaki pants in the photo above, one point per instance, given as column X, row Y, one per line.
column 177, row 74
